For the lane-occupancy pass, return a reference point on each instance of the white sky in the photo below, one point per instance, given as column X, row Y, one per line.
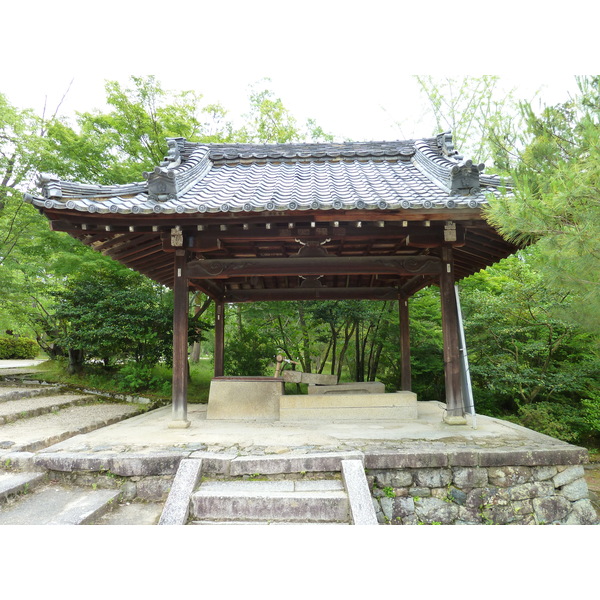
column 347, row 64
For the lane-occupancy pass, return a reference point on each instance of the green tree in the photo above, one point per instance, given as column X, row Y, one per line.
column 92, row 328
column 482, row 117
column 556, row 201
column 525, row 360
column 28, row 249
column 117, row 146
column 270, row 122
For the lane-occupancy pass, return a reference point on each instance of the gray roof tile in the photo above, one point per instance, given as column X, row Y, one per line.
column 233, row 178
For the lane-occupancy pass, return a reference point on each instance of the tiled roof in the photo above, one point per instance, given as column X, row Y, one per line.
column 197, row 178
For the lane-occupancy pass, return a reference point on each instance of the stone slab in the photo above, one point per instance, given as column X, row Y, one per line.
column 177, row 506
column 362, row 510
column 124, row 465
column 366, row 387
column 58, row 506
column 309, row 378
column 35, row 433
column 134, row 513
column 398, row 406
column 30, row 406
column 239, row 399
column 14, row 483
column 266, row 501
column 271, row 465
column 214, row 462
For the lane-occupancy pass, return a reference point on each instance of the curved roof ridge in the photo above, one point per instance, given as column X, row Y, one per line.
column 170, row 181
column 54, row 187
column 451, row 172
column 308, row 150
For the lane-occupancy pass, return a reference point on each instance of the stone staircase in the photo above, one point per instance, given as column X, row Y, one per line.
column 30, row 499
column 44, row 487
column 36, row 498
column 270, row 502
column 299, row 498
column 33, row 416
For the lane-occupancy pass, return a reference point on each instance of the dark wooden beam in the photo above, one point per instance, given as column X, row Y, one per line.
column 319, row 293
column 227, row 268
column 212, row 289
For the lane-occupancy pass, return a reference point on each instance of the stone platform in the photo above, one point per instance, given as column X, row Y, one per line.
column 248, row 398
column 366, row 387
column 263, row 399
column 401, row 406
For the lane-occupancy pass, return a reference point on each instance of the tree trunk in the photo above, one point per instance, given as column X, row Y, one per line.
column 75, row 361
column 195, row 354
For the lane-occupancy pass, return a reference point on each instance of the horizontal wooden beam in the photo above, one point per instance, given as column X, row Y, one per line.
column 327, row 265
column 318, row 293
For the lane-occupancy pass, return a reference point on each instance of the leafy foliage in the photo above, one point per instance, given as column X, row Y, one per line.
column 556, row 204
column 17, row 347
column 524, row 360
column 477, row 112
column 112, row 314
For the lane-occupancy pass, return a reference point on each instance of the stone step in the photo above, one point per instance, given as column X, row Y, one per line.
column 58, row 505
column 313, row 501
column 263, row 523
column 30, row 435
column 9, row 392
column 32, row 406
column 12, row 484
column 132, row 513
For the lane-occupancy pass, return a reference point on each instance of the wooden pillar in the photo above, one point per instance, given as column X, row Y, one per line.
column 455, row 412
column 405, row 373
column 180, row 342
column 219, row 338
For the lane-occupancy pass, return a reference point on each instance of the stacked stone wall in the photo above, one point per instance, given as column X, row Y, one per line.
column 501, row 495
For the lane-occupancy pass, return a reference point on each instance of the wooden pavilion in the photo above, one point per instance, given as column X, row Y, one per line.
column 321, row 221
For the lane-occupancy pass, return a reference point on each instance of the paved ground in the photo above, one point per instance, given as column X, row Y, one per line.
column 151, row 432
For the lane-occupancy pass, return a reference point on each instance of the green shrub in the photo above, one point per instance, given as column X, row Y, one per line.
column 136, row 377
column 249, row 353
column 17, row 347
column 559, row 420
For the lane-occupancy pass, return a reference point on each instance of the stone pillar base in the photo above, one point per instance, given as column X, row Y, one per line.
column 178, row 424
column 455, row 420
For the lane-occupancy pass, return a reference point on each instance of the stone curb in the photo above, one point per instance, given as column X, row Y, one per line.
column 177, row 506
column 362, row 510
column 17, row 461
column 124, row 465
column 166, row 463
column 248, row 465
column 411, row 459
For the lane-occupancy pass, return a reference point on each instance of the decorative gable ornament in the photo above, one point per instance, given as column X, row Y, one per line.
column 177, row 237
column 464, row 178
column 50, row 185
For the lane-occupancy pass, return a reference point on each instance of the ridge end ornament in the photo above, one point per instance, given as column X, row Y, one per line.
column 50, row 185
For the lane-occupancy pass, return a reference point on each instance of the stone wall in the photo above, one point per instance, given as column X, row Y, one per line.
column 418, row 483
column 500, row 495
